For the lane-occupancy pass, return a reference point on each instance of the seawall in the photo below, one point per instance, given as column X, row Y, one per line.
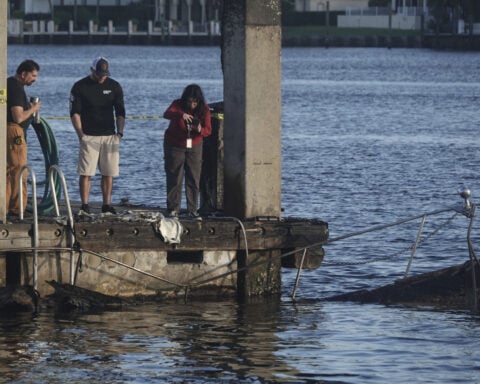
column 353, row 41
column 440, row 42
column 117, row 38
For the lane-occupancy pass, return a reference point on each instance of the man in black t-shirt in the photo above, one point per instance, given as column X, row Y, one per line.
column 93, row 102
column 19, row 116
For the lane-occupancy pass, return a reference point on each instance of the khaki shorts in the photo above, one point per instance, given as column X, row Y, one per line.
column 103, row 151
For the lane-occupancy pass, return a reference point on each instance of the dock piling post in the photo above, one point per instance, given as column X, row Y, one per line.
column 251, row 62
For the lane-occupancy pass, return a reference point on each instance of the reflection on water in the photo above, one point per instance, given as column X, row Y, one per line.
column 369, row 136
column 267, row 341
column 221, row 340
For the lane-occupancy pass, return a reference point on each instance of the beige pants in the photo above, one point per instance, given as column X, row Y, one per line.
column 16, row 158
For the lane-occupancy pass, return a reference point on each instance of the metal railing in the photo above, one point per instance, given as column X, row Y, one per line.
column 468, row 210
column 24, row 169
column 55, row 170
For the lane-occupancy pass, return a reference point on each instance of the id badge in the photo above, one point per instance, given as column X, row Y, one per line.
column 189, row 143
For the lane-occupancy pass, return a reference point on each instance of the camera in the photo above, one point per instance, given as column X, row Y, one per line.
column 195, row 122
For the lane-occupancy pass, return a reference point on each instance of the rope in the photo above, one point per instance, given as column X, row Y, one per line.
column 376, row 228
column 191, row 284
column 132, row 268
column 82, row 250
column 404, row 250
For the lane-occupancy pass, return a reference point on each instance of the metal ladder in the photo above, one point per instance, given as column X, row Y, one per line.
column 55, row 170
column 24, row 169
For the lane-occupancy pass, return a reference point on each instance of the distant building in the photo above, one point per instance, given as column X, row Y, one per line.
column 198, row 10
column 93, row 2
column 186, row 17
column 342, row 5
column 43, row 6
column 334, row 5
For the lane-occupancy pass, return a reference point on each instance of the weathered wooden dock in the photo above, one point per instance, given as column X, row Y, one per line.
column 127, row 255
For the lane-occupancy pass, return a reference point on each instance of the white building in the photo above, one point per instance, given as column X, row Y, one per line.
column 407, row 14
column 334, row 5
column 342, row 5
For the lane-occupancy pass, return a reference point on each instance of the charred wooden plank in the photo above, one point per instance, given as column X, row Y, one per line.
column 19, row 235
column 70, row 297
column 449, row 287
column 209, row 234
column 18, row 299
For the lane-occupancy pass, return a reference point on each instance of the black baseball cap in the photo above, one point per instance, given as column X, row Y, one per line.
column 100, row 66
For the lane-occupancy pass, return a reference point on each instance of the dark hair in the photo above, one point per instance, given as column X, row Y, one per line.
column 27, row 66
column 193, row 91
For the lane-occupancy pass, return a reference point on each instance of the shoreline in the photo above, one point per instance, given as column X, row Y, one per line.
column 440, row 42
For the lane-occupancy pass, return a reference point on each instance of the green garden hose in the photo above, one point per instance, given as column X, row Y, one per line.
column 49, row 147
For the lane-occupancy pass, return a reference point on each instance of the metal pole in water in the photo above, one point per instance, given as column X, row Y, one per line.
column 414, row 249
column 298, row 273
column 56, row 169
column 473, row 258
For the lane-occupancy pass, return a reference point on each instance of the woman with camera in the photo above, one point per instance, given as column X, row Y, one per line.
column 183, row 145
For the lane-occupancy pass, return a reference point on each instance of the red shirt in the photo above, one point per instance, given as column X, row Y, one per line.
column 177, row 132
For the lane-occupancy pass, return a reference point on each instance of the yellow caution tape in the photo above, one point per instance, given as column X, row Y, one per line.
column 3, row 96
column 218, row 116
column 153, row 117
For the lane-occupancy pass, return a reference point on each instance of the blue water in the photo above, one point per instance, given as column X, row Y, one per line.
column 370, row 137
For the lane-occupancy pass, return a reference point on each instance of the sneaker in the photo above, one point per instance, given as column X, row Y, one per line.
column 194, row 215
column 106, row 208
column 85, row 209
column 173, row 213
